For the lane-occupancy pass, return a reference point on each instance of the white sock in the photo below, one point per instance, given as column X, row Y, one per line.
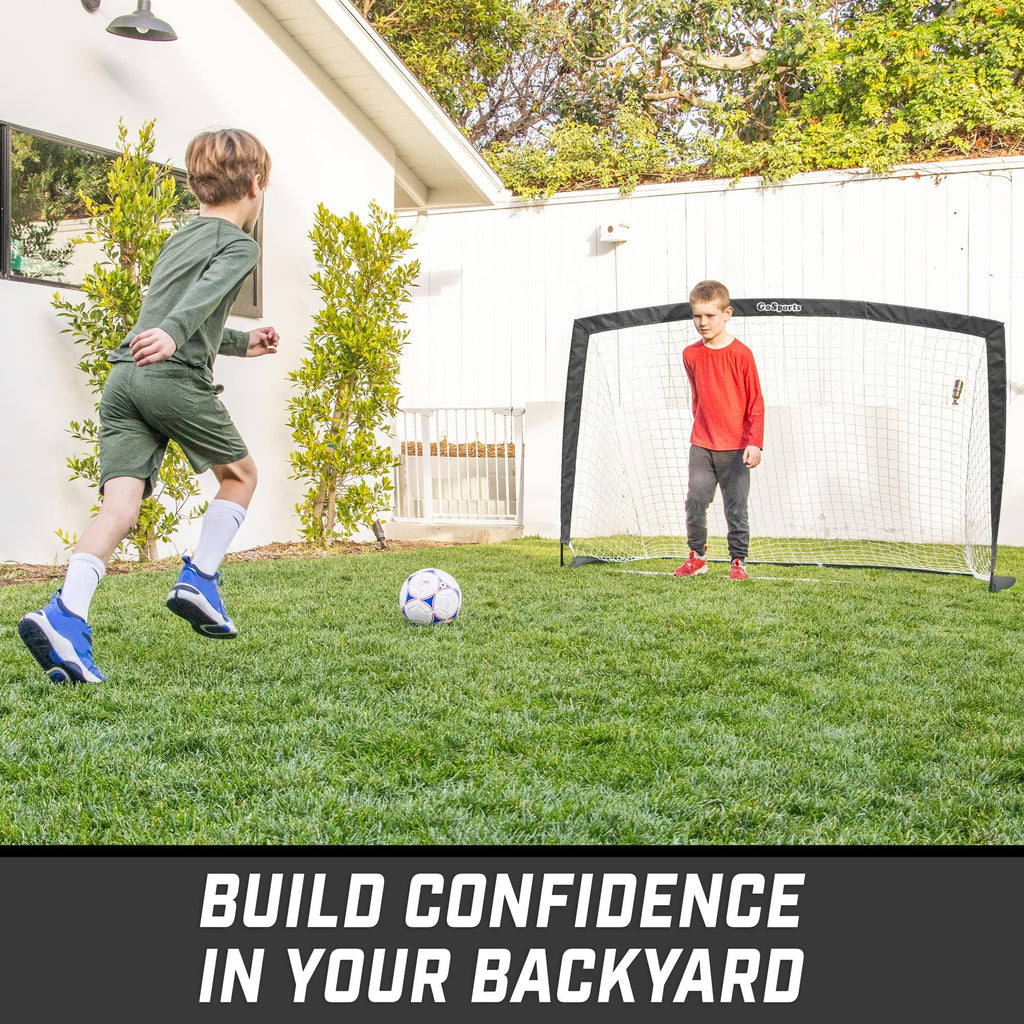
column 80, row 582
column 220, row 524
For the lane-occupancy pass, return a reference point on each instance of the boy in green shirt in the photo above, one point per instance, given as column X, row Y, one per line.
column 161, row 388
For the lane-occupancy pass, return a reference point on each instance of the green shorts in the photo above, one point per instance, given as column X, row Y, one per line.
column 143, row 407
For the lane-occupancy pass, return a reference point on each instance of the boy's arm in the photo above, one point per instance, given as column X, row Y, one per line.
column 693, row 383
column 229, row 266
column 260, row 342
column 233, row 343
column 754, row 412
column 156, row 345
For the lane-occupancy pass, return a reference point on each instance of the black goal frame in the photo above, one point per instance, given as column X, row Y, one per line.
column 992, row 331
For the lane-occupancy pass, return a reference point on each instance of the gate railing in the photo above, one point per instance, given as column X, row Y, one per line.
column 459, row 465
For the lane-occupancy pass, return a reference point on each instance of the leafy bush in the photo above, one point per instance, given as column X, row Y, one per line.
column 577, row 156
column 347, row 383
column 131, row 226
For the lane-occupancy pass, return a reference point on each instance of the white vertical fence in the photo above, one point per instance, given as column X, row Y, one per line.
column 459, row 465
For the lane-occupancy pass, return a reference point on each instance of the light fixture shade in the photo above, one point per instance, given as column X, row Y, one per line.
column 142, row 25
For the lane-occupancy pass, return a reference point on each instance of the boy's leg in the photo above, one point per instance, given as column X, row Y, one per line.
column 58, row 635
column 225, row 514
column 81, row 579
column 237, row 481
column 700, row 492
column 195, row 596
column 119, row 512
column 734, row 478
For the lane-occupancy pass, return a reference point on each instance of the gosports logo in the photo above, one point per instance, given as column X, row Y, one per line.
column 779, row 307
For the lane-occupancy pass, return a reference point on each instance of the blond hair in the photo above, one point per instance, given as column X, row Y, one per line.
column 223, row 163
column 710, row 291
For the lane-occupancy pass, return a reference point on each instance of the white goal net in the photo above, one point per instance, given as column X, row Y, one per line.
column 879, row 442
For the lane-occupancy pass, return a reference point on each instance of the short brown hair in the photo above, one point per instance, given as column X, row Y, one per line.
column 222, row 164
column 710, row 291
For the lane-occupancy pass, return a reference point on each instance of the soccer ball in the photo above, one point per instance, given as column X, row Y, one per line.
column 429, row 596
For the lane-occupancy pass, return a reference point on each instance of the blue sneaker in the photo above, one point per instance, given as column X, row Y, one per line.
column 61, row 642
column 196, row 599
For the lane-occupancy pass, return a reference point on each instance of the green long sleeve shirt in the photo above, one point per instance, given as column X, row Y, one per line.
column 195, row 281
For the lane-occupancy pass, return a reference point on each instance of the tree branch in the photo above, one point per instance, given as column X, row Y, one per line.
column 687, row 96
column 629, row 45
column 690, row 97
column 749, row 57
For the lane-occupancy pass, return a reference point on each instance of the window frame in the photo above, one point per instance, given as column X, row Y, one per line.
column 249, row 303
column 250, row 299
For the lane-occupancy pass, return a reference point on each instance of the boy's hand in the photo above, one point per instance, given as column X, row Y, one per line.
column 262, row 342
column 152, row 346
column 751, row 456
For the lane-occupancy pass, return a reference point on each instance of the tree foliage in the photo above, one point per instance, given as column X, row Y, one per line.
column 500, row 68
column 131, row 225
column 730, row 88
column 347, row 390
column 48, row 181
column 49, row 178
column 575, row 155
column 944, row 78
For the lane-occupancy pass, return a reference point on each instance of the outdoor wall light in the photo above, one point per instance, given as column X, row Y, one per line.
column 141, row 25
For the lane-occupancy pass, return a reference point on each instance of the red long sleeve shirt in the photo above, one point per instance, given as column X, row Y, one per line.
column 728, row 407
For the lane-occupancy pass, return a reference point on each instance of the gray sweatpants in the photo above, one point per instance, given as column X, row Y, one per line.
column 709, row 470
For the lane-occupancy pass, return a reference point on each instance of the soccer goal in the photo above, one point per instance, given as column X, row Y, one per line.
column 884, row 437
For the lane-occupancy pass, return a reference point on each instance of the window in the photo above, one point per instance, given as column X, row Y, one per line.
column 42, row 206
column 42, row 180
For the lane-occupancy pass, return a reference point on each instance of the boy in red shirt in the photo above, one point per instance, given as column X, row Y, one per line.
column 728, row 429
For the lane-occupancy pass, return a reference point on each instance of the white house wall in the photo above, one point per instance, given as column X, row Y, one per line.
column 66, row 76
column 491, row 318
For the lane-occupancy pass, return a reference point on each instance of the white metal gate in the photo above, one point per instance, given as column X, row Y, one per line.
column 459, row 465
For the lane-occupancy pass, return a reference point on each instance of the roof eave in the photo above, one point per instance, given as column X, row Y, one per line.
column 453, row 173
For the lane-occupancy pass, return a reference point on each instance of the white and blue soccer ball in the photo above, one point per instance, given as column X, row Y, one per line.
column 429, row 596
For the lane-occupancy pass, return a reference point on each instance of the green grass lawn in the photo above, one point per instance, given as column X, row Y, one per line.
column 564, row 706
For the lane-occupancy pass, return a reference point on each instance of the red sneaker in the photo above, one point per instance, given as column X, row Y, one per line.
column 738, row 571
column 693, row 566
